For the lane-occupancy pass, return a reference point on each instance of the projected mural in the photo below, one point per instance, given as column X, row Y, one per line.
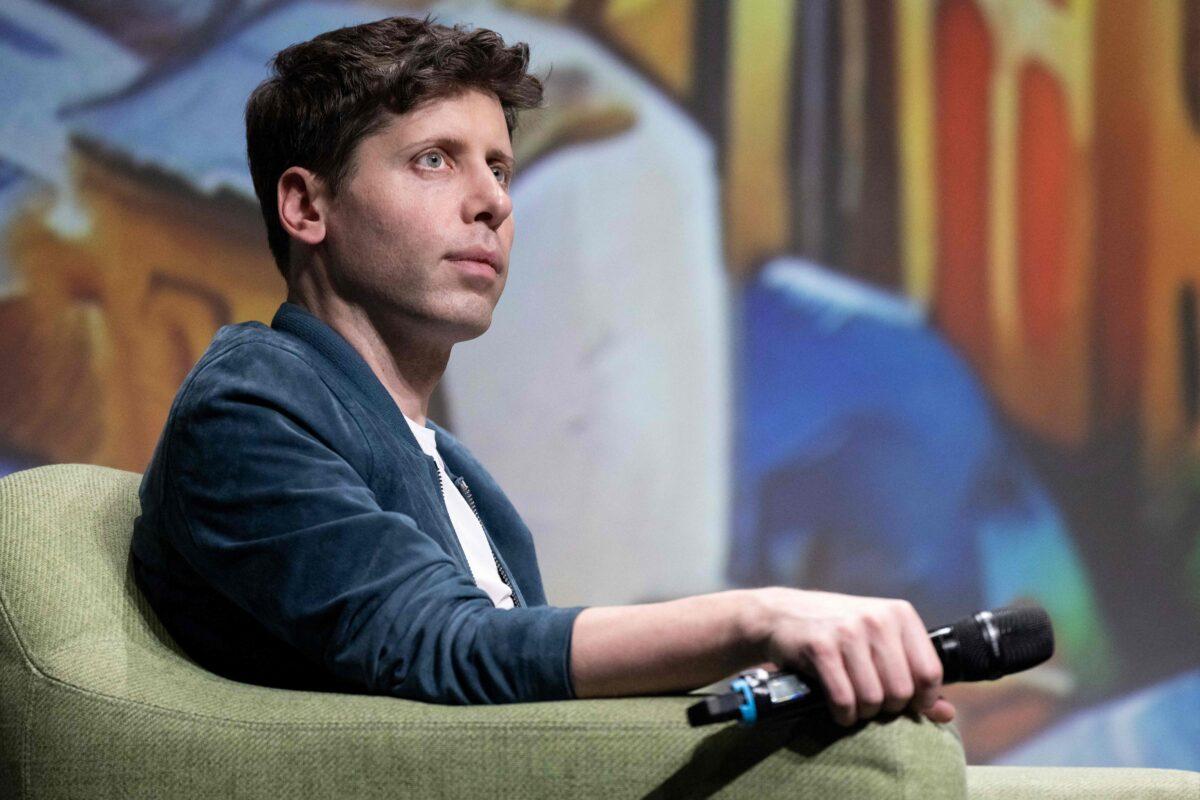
column 895, row 298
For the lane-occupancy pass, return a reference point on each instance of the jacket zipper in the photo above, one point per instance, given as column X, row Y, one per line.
column 461, row 483
column 466, row 490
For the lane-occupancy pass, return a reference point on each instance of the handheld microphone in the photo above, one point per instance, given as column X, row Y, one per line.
column 983, row 646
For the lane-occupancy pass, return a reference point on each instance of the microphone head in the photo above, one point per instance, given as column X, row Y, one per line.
column 1003, row 641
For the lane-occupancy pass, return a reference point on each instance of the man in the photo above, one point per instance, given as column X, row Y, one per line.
column 305, row 525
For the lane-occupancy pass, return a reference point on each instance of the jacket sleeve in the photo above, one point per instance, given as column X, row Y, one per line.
column 265, row 468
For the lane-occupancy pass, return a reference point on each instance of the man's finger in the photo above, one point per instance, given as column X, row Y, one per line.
column 892, row 663
column 860, row 667
column 825, row 659
column 942, row 710
column 924, row 664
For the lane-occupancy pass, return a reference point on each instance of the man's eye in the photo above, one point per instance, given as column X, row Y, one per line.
column 433, row 160
column 501, row 175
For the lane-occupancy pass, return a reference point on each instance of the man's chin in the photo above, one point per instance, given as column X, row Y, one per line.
column 473, row 334
column 465, row 328
column 448, row 325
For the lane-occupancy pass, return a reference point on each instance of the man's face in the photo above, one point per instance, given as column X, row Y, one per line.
column 422, row 212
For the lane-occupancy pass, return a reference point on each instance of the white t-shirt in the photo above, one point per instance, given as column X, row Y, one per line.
column 466, row 525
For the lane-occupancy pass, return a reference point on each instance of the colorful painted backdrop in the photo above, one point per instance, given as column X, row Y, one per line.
column 884, row 296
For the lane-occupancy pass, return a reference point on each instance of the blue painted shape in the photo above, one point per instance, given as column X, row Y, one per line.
column 26, row 40
column 1158, row 726
column 11, row 464
column 868, row 459
column 50, row 60
column 190, row 122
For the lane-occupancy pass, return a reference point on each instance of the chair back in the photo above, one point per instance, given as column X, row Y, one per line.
column 66, row 581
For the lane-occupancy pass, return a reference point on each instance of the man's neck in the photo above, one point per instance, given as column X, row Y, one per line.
column 407, row 367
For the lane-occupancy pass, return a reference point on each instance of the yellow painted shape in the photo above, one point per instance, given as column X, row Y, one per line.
column 757, row 207
column 914, row 89
column 1173, row 241
column 658, row 34
column 549, row 8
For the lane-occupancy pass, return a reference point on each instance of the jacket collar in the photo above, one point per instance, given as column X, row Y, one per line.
column 310, row 329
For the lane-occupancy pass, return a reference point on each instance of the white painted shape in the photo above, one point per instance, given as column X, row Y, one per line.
column 600, row 398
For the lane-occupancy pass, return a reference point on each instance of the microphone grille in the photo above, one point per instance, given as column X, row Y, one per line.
column 1024, row 638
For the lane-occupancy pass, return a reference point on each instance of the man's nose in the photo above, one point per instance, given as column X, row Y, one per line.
column 487, row 199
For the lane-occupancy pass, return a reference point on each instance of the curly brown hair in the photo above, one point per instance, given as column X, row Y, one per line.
column 326, row 95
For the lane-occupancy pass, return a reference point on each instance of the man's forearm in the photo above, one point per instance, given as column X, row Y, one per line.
column 662, row 647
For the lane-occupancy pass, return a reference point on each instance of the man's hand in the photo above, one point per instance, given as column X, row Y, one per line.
column 869, row 653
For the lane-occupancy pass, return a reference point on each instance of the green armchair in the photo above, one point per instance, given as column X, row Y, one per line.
column 96, row 700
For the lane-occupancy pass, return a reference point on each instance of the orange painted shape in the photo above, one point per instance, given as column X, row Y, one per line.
column 1043, row 197
column 963, row 63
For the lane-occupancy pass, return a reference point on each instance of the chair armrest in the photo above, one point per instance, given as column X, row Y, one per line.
column 145, row 722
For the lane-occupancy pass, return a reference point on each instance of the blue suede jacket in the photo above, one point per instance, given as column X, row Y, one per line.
column 293, row 534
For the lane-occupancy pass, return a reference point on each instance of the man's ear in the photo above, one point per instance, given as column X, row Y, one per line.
column 300, row 196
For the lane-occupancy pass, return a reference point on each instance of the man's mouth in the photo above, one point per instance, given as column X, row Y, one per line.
column 478, row 256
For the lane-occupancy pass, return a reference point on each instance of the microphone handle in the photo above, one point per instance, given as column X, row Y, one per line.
column 758, row 695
